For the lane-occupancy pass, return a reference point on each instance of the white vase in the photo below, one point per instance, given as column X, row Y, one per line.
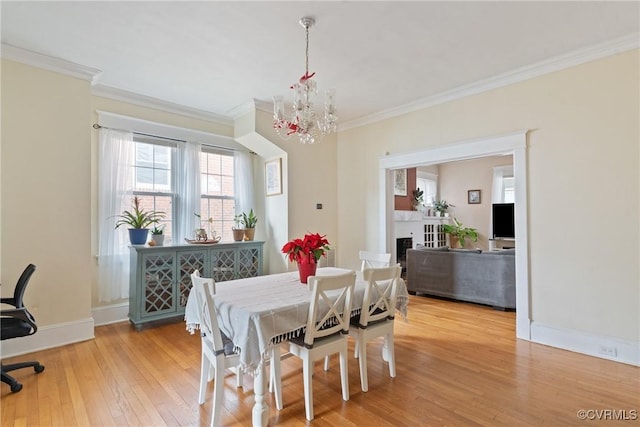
column 158, row 239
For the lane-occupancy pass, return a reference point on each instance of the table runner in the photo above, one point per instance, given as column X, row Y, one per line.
column 259, row 311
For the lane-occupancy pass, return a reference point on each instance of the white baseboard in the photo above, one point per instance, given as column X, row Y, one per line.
column 600, row 346
column 110, row 314
column 49, row 336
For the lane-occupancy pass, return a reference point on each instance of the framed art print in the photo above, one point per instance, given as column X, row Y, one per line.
column 273, row 177
column 400, row 182
column 473, row 197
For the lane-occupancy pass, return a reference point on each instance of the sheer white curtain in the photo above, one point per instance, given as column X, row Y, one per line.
column 243, row 185
column 188, row 190
column 114, row 186
column 497, row 190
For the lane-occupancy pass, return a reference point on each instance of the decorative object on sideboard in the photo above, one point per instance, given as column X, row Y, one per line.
column 238, row 231
column 304, row 121
column 138, row 221
column 473, row 197
column 306, row 252
column 249, row 222
column 458, row 233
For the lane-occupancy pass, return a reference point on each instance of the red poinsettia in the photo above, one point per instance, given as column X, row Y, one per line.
column 299, row 250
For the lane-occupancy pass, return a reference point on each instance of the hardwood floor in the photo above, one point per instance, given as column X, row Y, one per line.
column 457, row 364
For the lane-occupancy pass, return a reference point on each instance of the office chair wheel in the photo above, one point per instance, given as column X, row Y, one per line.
column 38, row 368
column 16, row 387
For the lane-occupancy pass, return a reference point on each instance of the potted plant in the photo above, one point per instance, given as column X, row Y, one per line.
column 418, row 198
column 249, row 222
column 458, row 233
column 238, row 231
column 306, row 252
column 441, row 207
column 138, row 221
column 157, row 236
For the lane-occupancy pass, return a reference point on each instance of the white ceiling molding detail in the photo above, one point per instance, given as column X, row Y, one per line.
column 158, row 104
column 550, row 65
column 50, row 63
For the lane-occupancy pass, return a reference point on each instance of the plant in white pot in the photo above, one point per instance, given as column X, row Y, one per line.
column 138, row 221
column 157, row 236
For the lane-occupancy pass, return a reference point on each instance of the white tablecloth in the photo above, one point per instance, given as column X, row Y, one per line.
column 256, row 312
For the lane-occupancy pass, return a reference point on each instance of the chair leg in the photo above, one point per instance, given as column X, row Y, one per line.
column 326, row 363
column 391, row 354
column 362, row 361
column 355, row 351
column 239, row 373
column 205, row 366
column 307, row 368
column 13, row 383
column 344, row 373
column 218, row 389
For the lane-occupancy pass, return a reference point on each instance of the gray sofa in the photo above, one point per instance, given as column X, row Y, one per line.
column 468, row 275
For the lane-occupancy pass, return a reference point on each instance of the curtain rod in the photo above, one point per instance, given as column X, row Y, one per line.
column 97, row 126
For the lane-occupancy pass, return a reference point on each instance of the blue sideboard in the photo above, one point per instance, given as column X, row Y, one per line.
column 160, row 277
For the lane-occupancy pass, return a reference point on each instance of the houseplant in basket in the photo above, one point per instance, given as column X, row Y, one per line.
column 238, row 231
column 458, row 233
column 249, row 222
column 138, row 221
column 306, row 252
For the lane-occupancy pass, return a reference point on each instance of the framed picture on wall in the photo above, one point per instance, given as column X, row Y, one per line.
column 273, row 177
column 400, row 182
column 473, row 197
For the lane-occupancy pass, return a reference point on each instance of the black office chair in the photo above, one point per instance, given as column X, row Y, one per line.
column 18, row 322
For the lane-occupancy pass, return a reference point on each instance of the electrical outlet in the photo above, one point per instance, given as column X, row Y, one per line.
column 608, row 351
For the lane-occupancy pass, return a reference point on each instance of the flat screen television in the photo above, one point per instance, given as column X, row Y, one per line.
column 503, row 220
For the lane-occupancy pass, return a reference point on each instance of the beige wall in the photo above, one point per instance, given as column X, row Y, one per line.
column 582, row 156
column 456, row 178
column 46, row 191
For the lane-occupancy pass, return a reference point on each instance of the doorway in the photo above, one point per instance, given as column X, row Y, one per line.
column 514, row 144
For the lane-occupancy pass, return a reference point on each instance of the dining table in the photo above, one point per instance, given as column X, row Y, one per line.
column 257, row 313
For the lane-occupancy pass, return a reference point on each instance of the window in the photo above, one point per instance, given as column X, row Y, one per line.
column 154, row 169
column 217, row 187
column 428, row 182
column 509, row 189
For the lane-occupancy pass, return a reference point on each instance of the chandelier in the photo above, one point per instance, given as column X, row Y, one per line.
column 304, row 120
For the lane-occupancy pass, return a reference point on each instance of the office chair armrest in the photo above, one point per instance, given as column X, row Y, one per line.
column 10, row 301
column 21, row 314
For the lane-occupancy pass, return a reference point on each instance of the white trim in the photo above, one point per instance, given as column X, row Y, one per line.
column 541, row 68
column 133, row 124
column 158, row 104
column 586, row 343
column 514, row 143
column 108, row 314
column 50, row 63
column 50, row 336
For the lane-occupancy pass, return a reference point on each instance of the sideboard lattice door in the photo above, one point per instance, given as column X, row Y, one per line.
column 188, row 262
column 223, row 264
column 158, row 283
column 248, row 262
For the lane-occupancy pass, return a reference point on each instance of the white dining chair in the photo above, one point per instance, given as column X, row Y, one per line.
column 325, row 334
column 374, row 260
column 217, row 349
column 376, row 316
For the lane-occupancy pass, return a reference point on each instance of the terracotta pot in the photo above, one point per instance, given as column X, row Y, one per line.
column 306, row 268
column 238, row 234
column 249, row 233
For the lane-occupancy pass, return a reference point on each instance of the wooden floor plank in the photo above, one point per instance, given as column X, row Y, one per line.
column 457, row 364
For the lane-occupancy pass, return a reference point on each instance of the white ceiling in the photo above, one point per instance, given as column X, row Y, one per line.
column 217, row 56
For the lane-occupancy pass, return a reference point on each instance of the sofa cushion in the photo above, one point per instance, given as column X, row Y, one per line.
column 469, row 251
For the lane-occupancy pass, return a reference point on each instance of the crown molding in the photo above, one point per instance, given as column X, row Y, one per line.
column 50, row 63
column 547, row 66
column 158, row 104
column 249, row 107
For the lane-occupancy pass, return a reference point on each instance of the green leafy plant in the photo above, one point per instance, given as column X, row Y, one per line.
column 418, row 197
column 237, row 220
column 460, row 232
column 249, row 221
column 138, row 217
column 442, row 206
column 158, row 230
